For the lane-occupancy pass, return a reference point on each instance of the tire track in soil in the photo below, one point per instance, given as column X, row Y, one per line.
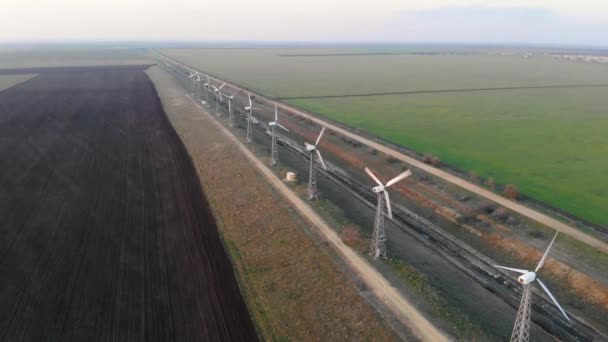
column 136, row 255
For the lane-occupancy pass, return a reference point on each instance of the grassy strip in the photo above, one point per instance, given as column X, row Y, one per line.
column 465, row 328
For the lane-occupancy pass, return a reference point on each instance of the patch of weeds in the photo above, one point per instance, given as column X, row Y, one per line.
column 437, row 305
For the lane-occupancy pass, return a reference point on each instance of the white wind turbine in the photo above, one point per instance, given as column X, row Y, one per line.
column 218, row 98
column 191, row 79
column 521, row 328
column 230, row 115
column 198, row 85
column 378, row 246
column 249, row 110
column 207, row 85
column 312, row 179
column 274, row 153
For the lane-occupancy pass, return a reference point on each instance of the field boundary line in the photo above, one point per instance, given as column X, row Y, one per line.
column 382, row 289
column 439, row 91
column 509, row 204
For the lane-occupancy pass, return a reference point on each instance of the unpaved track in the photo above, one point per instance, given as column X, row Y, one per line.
column 517, row 207
column 105, row 233
column 390, row 296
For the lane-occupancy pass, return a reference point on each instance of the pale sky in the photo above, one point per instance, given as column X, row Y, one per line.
column 580, row 22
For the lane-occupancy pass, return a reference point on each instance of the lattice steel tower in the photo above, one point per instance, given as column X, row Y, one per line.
column 249, row 127
column 274, row 153
column 312, row 180
column 378, row 246
column 521, row 329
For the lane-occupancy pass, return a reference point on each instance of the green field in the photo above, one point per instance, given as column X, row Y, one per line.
column 57, row 56
column 551, row 143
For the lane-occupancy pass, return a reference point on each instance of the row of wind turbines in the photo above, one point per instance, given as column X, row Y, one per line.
column 521, row 328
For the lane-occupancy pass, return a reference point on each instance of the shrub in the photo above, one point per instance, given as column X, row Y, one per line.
column 501, row 213
column 432, row 160
column 391, row 160
column 350, row 236
column 490, row 183
column 511, row 192
column 473, row 176
column 485, row 207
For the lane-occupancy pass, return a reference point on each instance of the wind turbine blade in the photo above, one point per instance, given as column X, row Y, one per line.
column 552, row 298
column 234, row 93
column 222, row 86
column 371, row 174
column 276, row 113
column 278, row 124
column 321, row 160
column 518, row 270
column 250, row 104
column 388, row 204
column 398, row 178
column 542, row 260
column 320, row 135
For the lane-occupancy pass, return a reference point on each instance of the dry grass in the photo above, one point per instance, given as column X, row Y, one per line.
column 293, row 289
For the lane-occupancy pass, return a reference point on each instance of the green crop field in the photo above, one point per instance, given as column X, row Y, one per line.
column 58, row 56
column 550, row 142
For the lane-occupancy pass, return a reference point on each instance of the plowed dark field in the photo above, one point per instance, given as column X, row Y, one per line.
column 105, row 233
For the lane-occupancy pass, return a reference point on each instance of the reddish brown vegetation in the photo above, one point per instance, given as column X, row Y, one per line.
column 511, row 192
column 431, row 160
column 350, row 236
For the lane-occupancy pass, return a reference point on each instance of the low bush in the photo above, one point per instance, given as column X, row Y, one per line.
column 511, row 192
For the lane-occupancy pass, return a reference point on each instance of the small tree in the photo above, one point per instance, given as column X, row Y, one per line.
column 511, row 192
column 436, row 162
column 432, row 160
column 473, row 176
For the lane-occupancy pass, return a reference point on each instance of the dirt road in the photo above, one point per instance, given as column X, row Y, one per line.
column 390, row 296
column 106, row 233
column 517, row 207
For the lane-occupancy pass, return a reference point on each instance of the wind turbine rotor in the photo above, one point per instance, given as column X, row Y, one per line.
column 542, row 260
column 319, row 137
column 321, row 159
column 403, row 175
column 389, row 211
column 373, row 176
column 518, row 270
column 552, row 298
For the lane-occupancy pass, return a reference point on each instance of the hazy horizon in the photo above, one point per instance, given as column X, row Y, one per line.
column 464, row 22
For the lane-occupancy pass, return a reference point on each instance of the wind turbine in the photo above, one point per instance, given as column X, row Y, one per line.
column 521, row 329
column 249, row 110
column 230, row 116
column 198, row 84
column 207, row 84
column 191, row 79
column 312, row 179
column 218, row 98
column 274, row 153
column 378, row 246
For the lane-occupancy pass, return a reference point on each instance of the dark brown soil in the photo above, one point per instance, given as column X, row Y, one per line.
column 105, row 233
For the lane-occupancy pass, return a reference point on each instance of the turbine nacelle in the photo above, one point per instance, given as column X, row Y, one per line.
column 527, row 278
column 310, row 147
column 379, row 188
